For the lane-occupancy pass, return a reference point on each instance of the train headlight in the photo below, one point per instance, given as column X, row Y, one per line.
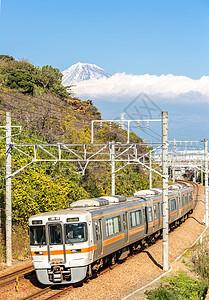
column 54, row 218
column 39, row 253
column 36, row 222
column 75, row 251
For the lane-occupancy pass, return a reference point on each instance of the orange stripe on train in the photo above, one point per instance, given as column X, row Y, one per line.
column 136, row 230
column 59, row 252
column 116, row 238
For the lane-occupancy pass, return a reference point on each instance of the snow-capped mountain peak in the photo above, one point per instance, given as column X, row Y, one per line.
column 83, row 71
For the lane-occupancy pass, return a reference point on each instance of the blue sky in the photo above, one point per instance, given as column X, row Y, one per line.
column 135, row 36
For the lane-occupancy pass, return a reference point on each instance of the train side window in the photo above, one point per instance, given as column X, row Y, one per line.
column 113, row 226
column 116, row 222
column 149, row 214
column 161, row 208
column 173, row 204
column 136, row 218
column 155, row 212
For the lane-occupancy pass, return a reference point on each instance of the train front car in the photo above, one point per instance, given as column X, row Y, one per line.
column 61, row 246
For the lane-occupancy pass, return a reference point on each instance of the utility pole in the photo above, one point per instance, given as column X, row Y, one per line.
column 174, row 169
column 165, row 189
column 150, row 170
column 174, row 172
column 122, row 120
column 206, row 180
column 113, row 167
column 8, row 191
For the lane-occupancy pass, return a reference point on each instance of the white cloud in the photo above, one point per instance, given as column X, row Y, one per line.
column 123, row 86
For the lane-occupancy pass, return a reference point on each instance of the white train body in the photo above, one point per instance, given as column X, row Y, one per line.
column 67, row 245
column 73, row 256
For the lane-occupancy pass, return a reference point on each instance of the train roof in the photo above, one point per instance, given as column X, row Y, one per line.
column 109, row 206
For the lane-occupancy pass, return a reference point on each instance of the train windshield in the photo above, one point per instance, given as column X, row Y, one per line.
column 37, row 235
column 55, row 234
column 75, row 233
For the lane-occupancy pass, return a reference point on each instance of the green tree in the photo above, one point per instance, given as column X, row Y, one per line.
column 20, row 79
column 35, row 192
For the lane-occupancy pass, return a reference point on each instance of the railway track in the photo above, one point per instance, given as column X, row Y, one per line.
column 51, row 288
column 46, row 291
column 9, row 278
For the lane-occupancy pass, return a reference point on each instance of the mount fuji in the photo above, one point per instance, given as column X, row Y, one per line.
column 81, row 72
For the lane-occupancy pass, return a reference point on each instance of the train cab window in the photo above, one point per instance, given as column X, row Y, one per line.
column 155, row 212
column 173, row 204
column 55, row 234
column 149, row 214
column 75, row 233
column 136, row 218
column 113, row 226
column 37, row 235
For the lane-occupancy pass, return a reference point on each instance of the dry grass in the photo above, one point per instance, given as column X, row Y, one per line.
column 20, row 242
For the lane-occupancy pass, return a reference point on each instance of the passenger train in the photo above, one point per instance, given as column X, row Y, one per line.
column 69, row 245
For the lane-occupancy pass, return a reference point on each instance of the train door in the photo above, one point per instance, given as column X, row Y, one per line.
column 179, row 206
column 169, row 210
column 145, row 220
column 125, row 226
column 183, row 204
column 156, row 216
column 56, row 246
column 161, row 214
column 98, row 237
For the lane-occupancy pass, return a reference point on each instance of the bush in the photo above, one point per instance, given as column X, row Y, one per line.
column 181, row 287
column 161, row 293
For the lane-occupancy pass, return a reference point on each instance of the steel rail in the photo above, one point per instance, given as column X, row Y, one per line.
column 8, row 278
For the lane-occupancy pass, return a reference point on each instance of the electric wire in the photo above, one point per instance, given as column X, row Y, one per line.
column 26, row 110
column 154, row 132
column 37, row 104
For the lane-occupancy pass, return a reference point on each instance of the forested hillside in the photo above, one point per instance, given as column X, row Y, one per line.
column 48, row 114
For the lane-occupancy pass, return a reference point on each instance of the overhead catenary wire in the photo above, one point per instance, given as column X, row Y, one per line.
column 26, row 110
column 44, row 100
column 51, row 117
column 35, row 103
